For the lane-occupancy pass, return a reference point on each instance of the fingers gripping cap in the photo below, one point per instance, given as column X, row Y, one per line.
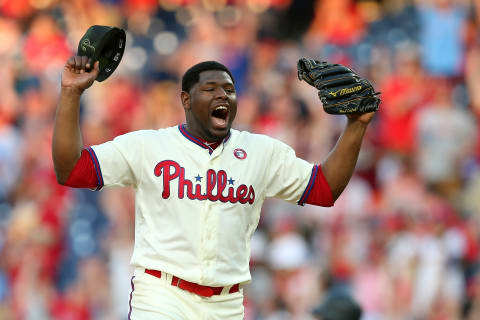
column 105, row 44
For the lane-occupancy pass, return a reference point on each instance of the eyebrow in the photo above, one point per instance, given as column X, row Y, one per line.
column 215, row 83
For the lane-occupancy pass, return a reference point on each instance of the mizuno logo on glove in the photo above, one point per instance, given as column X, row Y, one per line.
column 345, row 91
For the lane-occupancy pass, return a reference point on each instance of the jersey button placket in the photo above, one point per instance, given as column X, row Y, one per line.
column 209, row 239
column 208, row 230
column 205, row 241
column 202, row 211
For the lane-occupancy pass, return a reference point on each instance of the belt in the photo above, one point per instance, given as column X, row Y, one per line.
column 204, row 291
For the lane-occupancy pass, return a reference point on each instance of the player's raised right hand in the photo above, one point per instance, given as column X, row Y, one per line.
column 79, row 74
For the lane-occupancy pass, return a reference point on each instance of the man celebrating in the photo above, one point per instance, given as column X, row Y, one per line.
column 199, row 187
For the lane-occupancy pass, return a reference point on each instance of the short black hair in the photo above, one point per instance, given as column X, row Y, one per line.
column 192, row 75
column 338, row 305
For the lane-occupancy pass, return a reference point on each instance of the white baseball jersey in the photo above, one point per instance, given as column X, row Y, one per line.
column 197, row 208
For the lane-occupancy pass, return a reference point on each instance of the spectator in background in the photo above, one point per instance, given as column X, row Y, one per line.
column 442, row 33
column 10, row 155
column 445, row 134
column 338, row 306
column 337, row 22
column 293, row 276
column 17, row 9
column 472, row 79
column 45, row 45
column 404, row 91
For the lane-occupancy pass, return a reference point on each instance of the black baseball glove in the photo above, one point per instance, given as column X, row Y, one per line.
column 105, row 44
column 341, row 90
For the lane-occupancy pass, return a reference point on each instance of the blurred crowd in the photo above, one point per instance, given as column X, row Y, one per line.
column 403, row 239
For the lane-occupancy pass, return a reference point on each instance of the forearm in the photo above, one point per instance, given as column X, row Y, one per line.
column 340, row 163
column 67, row 140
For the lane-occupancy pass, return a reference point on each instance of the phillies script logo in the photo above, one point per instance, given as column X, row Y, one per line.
column 171, row 170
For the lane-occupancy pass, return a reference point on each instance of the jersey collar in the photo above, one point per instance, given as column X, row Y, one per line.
column 199, row 141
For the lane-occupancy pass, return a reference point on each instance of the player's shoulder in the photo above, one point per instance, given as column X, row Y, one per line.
column 247, row 136
column 259, row 140
column 144, row 136
column 145, row 133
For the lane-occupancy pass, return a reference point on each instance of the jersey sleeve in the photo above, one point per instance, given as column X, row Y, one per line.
column 288, row 177
column 84, row 174
column 321, row 193
column 118, row 162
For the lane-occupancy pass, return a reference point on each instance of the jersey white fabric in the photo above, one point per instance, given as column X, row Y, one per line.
column 197, row 208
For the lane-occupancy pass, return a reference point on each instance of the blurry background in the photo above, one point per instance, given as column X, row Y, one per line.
column 403, row 238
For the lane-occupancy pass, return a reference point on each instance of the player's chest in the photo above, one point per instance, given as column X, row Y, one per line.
column 233, row 175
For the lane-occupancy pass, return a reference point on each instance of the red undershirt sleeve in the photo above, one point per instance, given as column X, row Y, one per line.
column 320, row 194
column 83, row 174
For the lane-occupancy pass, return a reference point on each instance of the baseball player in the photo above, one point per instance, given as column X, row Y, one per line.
column 199, row 188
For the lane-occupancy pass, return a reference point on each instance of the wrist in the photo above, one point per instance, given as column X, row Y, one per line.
column 360, row 118
column 356, row 122
column 71, row 91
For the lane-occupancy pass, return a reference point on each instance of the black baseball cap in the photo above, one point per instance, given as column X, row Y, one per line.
column 338, row 306
column 105, row 44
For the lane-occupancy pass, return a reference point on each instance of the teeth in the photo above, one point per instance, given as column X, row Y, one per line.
column 221, row 108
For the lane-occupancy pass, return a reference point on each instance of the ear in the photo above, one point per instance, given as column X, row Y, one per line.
column 185, row 96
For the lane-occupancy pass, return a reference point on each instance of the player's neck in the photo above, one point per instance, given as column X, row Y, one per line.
column 203, row 139
column 210, row 144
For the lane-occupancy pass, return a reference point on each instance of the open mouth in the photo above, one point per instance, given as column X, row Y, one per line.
column 220, row 116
